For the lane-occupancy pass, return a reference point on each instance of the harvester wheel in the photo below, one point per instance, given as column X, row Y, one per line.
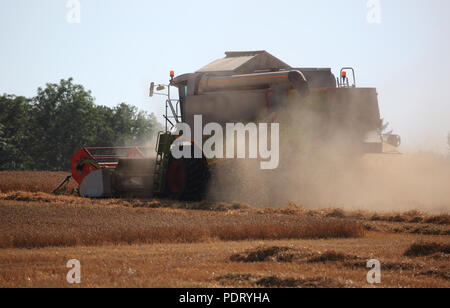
column 187, row 178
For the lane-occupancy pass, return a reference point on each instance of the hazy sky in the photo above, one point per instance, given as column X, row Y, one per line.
column 120, row 46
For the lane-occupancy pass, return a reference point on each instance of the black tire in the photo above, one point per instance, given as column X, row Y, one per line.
column 187, row 179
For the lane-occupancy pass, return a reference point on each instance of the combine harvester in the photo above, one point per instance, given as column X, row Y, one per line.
column 242, row 87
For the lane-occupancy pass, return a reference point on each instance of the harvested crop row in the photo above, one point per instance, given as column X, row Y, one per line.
column 28, row 226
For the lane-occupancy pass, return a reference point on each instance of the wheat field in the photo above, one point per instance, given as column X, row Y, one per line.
column 162, row 243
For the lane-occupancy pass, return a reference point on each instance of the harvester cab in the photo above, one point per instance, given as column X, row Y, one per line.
column 176, row 178
column 172, row 104
column 243, row 87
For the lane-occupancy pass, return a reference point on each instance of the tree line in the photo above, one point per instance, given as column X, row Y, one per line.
column 43, row 132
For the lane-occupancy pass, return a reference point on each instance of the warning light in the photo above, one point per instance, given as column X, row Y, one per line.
column 344, row 74
column 172, row 74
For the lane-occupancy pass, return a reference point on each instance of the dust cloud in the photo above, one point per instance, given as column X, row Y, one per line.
column 334, row 173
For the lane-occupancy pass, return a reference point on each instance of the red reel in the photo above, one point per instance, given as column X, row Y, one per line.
column 80, row 172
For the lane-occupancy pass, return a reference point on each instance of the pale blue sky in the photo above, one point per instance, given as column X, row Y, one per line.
column 120, row 46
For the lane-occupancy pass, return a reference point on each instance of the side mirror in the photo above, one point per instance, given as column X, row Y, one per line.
column 152, row 89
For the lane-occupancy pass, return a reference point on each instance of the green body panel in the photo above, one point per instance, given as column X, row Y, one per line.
column 165, row 140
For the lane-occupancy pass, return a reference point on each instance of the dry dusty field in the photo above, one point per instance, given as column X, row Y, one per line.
column 160, row 243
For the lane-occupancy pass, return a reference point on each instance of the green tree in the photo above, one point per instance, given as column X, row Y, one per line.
column 133, row 127
column 3, row 143
column 15, row 132
column 44, row 132
column 63, row 121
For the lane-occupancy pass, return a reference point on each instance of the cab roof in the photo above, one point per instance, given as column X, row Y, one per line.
column 245, row 62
